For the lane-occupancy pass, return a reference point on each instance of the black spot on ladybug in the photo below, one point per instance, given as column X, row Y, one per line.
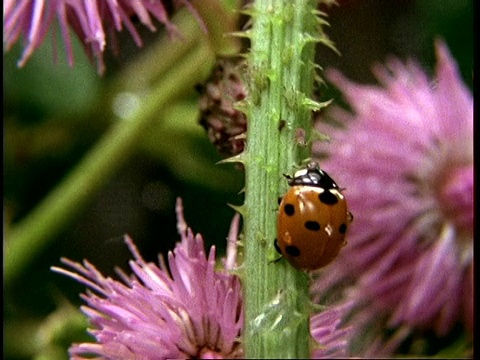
column 328, row 198
column 275, row 244
column 342, row 229
column 312, row 225
column 289, row 209
column 292, row 250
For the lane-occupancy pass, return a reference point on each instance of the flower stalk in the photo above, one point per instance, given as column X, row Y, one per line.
column 278, row 109
column 27, row 238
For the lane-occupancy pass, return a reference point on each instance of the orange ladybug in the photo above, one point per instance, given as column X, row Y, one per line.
column 312, row 219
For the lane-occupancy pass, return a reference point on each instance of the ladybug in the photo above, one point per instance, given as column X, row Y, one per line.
column 312, row 219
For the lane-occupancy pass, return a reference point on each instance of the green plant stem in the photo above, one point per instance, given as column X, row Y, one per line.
column 26, row 240
column 149, row 68
column 160, row 56
column 280, row 62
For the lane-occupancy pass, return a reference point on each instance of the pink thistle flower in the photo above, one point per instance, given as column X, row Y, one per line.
column 92, row 21
column 405, row 157
column 327, row 330
column 192, row 311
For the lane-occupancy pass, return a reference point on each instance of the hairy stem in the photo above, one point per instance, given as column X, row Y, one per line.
column 279, row 112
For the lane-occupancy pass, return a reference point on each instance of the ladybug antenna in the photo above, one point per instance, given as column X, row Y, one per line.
column 313, row 166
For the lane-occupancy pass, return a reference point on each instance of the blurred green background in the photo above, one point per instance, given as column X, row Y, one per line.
column 54, row 114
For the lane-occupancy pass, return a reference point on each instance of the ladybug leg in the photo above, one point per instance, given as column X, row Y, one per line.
column 279, row 201
column 275, row 244
column 349, row 217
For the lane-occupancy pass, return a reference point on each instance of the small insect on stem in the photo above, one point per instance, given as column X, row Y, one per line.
column 312, row 219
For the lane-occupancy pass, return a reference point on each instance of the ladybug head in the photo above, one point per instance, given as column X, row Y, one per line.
column 312, row 175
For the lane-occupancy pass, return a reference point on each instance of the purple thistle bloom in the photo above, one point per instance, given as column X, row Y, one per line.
column 405, row 158
column 195, row 310
column 327, row 330
column 92, row 21
column 192, row 311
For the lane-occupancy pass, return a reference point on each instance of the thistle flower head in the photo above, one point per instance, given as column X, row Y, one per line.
column 93, row 21
column 405, row 157
column 225, row 125
column 192, row 310
column 329, row 333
